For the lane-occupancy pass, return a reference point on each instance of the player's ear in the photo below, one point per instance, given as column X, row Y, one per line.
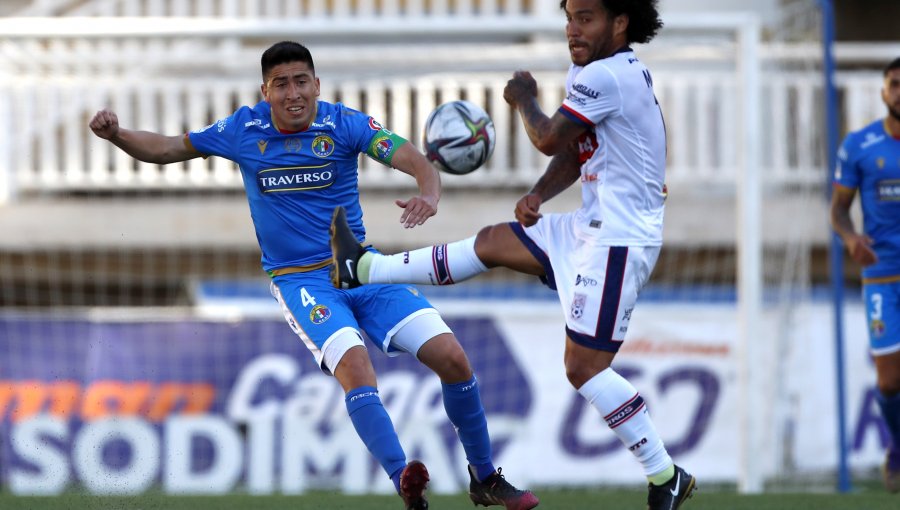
column 318, row 90
column 264, row 90
column 620, row 24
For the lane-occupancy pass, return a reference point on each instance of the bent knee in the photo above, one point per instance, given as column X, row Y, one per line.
column 446, row 358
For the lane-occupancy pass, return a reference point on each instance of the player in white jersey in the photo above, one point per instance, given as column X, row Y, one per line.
column 610, row 135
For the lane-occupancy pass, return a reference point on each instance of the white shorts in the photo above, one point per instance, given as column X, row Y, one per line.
column 409, row 336
column 598, row 285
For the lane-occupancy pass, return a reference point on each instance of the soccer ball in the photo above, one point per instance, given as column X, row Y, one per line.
column 459, row 137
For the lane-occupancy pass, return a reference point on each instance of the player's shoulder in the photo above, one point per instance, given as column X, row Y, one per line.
column 869, row 136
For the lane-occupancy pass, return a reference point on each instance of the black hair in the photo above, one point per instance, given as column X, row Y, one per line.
column 284, row 52
column 643, row 17
column 893, row 65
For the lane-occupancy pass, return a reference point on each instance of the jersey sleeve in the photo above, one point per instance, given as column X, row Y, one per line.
column 218, row 138
column 591, row 96
column 846, row 170
column 373, row 139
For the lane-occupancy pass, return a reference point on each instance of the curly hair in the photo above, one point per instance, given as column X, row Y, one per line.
column 643, row 17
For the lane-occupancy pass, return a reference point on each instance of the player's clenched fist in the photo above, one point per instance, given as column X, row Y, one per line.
column 522, row 87
column 105, row 124
column 527, row 209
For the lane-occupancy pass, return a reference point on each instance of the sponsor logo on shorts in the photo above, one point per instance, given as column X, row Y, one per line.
column 585, row 281
column 322, row 146
column 319, row 314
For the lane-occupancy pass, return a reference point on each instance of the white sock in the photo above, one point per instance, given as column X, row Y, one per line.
column 624, row 411
column 443, row 264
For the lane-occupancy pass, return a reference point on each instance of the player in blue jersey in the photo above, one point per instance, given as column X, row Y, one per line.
column 298, row 158
column 869, row 162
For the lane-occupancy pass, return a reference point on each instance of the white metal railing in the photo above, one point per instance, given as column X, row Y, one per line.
column 184, row 79
column 281, row 9
column 48, row 146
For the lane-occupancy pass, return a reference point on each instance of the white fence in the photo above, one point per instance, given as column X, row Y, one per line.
column 281, row 9
column 172, row 77
column 47, row 145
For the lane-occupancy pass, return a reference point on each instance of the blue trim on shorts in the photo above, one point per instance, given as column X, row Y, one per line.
column 549, row 279
column 609, row 305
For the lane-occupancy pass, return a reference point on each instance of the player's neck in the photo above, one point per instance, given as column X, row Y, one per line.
column 892, row 126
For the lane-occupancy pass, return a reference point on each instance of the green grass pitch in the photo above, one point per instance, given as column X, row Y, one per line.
column 861, row 499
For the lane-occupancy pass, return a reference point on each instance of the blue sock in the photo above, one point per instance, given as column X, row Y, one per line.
column 462, row 401
column 374, row 427
column 890, row 411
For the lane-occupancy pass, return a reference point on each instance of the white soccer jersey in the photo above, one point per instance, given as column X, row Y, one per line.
column 623, row 153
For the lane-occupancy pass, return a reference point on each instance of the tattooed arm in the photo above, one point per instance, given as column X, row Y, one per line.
column 563, row 170
column 550, row 135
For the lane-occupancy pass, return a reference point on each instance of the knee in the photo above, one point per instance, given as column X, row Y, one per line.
column 447, row 359
column 485, row 246
column 577, row 374
column 456, row 367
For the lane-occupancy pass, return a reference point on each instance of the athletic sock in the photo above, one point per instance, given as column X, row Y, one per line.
column 374, row 427
column 442, row 264
column 363, row 265
column 462, row 401
column 890, row 412
column 662, row 477
column 625, row 413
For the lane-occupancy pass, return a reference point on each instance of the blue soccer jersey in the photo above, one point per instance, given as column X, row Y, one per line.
column 294, row 181
column 869, row 161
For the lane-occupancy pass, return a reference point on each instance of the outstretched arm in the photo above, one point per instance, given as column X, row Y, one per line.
column 419, row 208
column 859, row 246
column 142, row 145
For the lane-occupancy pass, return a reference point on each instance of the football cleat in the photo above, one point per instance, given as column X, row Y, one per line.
column 672, row 494
column 345, row 252
column 890, row 471
column 413, row 481
column 495, row 490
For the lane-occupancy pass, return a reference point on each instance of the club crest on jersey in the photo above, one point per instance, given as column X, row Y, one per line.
column 322, row 146
column 319, row 314
column 299, row 178
column 383, row 147
column 292, row 144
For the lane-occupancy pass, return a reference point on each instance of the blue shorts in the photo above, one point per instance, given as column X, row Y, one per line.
column 322, row 316
column 883, row 317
